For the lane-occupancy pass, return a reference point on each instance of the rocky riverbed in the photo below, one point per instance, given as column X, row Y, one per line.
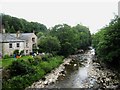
column 79, row 71
column 52, row 77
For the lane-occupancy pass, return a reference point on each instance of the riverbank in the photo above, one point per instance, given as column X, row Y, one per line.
column 22, row 73
column 53, row 76
column 89, row 74
column 105, row 77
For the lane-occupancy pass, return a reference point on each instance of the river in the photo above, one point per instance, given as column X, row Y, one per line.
column 87, row 75
column 79, row 71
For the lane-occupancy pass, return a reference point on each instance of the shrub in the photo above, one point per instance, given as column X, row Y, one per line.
column 23, row 74
column 46, row 57
column 46, row 66
column 55, row 61
column 16, row 52
column 6, row 56
column 20, row 68
column 31, row 60
column 21, row 82
column 22, row 52
column 37, row 58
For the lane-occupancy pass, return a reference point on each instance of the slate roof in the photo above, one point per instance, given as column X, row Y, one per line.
column 23, row 36
column 6, row 37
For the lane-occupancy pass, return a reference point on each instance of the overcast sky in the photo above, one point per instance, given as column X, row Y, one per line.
column 93, row 14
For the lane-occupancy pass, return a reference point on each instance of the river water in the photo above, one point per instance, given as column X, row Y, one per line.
column 83, row 71
column 79, row 78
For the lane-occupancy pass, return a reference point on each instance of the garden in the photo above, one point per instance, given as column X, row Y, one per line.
column 22, row 72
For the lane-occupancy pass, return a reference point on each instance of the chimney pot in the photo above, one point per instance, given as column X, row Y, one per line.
column 18, row 34
column 3, row 31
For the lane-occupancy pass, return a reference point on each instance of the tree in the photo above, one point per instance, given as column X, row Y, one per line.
column 107, row 43
column 49, row 44
column 40, row 34
column 70, row 38
column 13, row 24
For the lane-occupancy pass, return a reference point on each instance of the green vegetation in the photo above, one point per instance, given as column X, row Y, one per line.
column 8, row 61
column 65, row 40
column 6, row 56
column 13, row 24
column 106, row 43
column 22, row 73
column 49, row 44
column 61, row 40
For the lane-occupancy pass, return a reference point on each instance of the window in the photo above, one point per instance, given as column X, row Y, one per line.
column 10, row 45
column 26, row 44
column 26, row 51
column 18, row 45
column 33, row 39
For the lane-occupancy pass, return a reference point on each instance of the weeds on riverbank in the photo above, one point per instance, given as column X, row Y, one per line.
column 22, row 73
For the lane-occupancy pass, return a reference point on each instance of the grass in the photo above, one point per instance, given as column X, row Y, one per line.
column 6, row 62
column 23, row 73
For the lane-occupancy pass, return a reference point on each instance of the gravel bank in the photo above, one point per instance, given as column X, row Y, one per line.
column 53, row 76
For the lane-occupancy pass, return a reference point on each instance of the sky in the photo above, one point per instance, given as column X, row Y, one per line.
column 94, row 14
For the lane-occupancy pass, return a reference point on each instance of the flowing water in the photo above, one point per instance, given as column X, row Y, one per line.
column 78, row 78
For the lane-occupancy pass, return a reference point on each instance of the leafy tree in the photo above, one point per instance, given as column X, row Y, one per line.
column 40, row 34
column 13, row 24
column 107, row 43
column 49, row 44
column 70, row 38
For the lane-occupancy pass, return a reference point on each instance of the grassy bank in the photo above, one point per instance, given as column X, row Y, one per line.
column 8, row 61
column 23, row 72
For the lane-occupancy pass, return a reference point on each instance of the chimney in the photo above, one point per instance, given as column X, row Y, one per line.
column 18, row 34
column 3, row 31
column 33, row 31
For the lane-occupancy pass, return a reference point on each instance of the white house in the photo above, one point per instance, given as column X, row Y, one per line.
column 9, row 42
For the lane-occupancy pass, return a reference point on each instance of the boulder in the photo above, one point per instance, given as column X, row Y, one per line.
column 46, row 82
column 75, row 65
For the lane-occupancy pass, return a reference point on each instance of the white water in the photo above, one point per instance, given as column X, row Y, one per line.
column 79, row 78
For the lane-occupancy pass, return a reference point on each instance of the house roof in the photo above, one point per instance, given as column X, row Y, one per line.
column 23, row 36
column 6, row 37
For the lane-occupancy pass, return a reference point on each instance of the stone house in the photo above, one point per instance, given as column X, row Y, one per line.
column 9, row 42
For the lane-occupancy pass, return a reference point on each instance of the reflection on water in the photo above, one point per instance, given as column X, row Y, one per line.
column 78, row 78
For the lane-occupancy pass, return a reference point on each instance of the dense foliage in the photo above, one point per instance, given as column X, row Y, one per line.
column 70, row 38
column 13, row 24
column 107, row 43
column 61, row 40
column 49, row 44
column 22, row 73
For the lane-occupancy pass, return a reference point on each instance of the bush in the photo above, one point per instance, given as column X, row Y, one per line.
column 37, row 58
column 46, row 57
column 23, row 74
column 22, row 52
column 21, row 82
column 46, row 66
column 31, row 60
column 55, row 61
column 20, row 68
column 6, row 56
column 16, row 52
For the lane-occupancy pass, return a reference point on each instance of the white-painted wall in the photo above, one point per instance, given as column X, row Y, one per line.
column 30, row 43
column 9, row 51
